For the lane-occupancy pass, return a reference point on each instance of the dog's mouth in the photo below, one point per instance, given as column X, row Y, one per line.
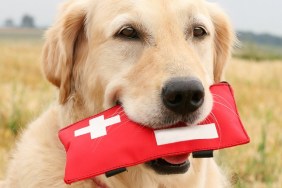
column 178, row 164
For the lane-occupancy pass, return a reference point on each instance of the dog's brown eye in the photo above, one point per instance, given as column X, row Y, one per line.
column 128, row 32
column 199, row 32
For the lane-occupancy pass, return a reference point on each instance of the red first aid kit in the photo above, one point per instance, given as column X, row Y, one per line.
column 110, row 141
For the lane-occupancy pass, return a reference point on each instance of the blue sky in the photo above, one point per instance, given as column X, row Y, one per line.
column 260, row 16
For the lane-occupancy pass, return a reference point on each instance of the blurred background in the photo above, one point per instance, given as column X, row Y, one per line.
column 255, row 72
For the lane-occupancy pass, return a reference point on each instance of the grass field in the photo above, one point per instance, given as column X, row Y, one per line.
column 24, row 93
column 255, row 52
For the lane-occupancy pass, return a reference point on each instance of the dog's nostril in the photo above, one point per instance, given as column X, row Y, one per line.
column 197, row 98
column 173, row 98
column 183, row 95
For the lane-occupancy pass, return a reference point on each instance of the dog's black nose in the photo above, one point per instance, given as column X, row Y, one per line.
column 183, row 95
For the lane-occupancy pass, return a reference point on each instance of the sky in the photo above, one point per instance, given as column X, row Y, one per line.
column 259, row 16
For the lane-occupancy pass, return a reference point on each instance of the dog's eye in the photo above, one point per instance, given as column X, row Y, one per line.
column 128, row 32
column 199, row 32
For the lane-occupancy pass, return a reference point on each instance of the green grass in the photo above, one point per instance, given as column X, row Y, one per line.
column 16, row 35
column 255, row 52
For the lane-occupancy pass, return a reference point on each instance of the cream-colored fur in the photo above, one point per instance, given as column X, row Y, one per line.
column 93, row 68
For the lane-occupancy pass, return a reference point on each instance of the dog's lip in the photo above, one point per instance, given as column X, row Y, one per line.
column 176, row 159
column 118, row 103
column 162, row 166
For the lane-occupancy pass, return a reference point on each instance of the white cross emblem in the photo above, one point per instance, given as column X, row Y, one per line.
column 97, row 126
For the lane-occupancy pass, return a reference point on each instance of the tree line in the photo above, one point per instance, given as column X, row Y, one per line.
column 27, row 21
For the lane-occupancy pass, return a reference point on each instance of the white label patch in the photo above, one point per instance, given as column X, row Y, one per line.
column 179, row 134
column 97, row 126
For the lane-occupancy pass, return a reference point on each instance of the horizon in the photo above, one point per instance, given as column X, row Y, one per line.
column 46, row 27
column 242, row 17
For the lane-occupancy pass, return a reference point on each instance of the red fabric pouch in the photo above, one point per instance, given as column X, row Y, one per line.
column 110, row 141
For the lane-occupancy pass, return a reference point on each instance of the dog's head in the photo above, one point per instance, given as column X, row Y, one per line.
column 156, row 58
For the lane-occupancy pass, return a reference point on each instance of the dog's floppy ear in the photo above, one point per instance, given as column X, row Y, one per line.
column 223, row 41
column 62, row 41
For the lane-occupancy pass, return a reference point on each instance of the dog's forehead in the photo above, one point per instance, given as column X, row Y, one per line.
column 161, row 7
column 171, row 3
column 153, row 13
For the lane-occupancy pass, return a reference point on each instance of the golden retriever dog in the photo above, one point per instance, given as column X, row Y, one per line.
column 157, row 58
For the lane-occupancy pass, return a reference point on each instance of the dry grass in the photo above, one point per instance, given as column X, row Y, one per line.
column 258, row 90
column 23, row 90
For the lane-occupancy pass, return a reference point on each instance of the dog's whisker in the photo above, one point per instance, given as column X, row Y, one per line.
column 219, row 129
column 230, row 109
column 97, row 144
column 208, row 120
column 226, row 101
column 117, row 111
